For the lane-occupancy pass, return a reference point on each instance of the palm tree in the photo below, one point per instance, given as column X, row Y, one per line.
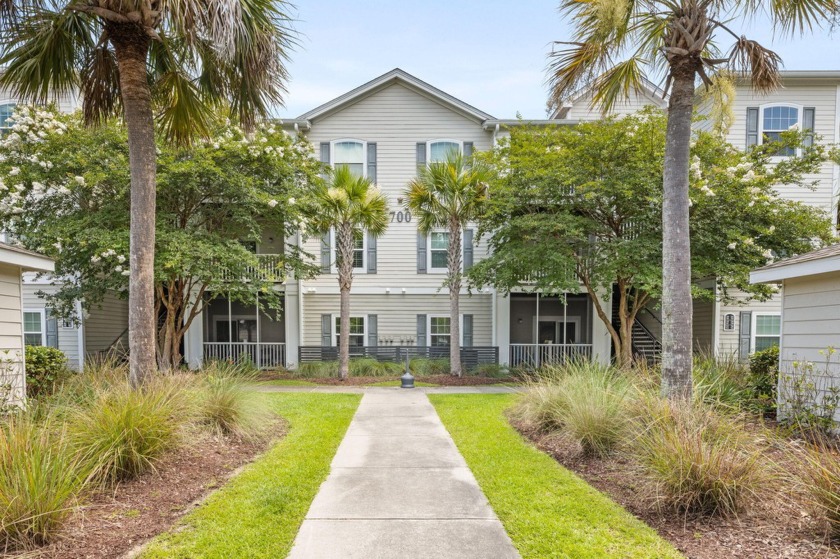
column 615, row 45
column 174, row 61
column 349, row 205
column 448, row 194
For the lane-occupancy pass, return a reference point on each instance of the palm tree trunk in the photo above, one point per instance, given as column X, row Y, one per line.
column 454, row 263
column 676, row 247
column 344, row 262
column 131, row 45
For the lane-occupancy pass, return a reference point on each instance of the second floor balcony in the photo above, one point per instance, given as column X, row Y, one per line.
column 269, row 267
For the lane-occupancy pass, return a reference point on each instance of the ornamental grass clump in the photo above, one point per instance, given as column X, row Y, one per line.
column 698, row 460
column 817, row 472
column 41, row 477
column 227, row 405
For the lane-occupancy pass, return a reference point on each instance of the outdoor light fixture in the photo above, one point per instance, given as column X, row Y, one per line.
column 403, row 290
column 387, row 290
column 312, row 290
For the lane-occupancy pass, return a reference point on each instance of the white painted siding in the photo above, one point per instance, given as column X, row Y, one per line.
column 11, row 331
column 104, row 324
column 728, row 340
column 581, row 108
column 66, row 103
column 68, row 338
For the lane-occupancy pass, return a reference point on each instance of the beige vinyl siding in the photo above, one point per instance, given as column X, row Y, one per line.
column 396, row 118
column 397, row 314
column 581, row 109
column 105, row 324
column 68, row 338
column 11, row 330
column 728, row 339
column 823, row 98
column 703, row 324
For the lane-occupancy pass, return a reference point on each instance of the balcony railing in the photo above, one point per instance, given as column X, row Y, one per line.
column 471, row 357
column 264, row 355
column 269, row 267
column 536, row 355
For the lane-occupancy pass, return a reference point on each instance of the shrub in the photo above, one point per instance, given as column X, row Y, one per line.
column 318, row 369
column 226, row 405
column 491, row 370
column 764, row 377
column 810, row 399
column 818, row 473
column 40, row 479
column 698, row 460
column 423, row 367
column 123, row 431
column 359, row 367
column 46, row 367
column 721, row 382
column 243, row 369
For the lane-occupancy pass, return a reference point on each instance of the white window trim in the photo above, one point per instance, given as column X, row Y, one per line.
column 355, row 140
column 334, row 332
column 14, row 102
column 43, row 332
column 445, row 269
column 734, row 319
column 439, row 140
column 753, row 332
column 799, row 108
column 334, row 267
column 573, row 319
column 429, row 328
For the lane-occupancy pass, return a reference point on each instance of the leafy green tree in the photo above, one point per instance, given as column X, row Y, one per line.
column 65, row 191
column 614, row 45
column 349, row 206
column 449, row 194
column 175, row 61
column 581, row 207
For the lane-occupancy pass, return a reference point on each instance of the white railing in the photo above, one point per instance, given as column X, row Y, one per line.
column 269, row 267
column 536, row 355
column 263, row 355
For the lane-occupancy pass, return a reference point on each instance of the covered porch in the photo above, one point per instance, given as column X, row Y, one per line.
column 238, row 332
column 550, row 329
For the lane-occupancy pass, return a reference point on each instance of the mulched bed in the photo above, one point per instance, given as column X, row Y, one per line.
column 113, row 522
column 443, row 380
column 777, row 527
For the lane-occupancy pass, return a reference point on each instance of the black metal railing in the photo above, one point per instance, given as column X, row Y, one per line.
column 470, row 356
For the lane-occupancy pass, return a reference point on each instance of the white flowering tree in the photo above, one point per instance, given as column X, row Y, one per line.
column 65, row 192
column 582, row 205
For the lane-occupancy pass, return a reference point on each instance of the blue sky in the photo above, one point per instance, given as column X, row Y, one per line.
column 489, row 53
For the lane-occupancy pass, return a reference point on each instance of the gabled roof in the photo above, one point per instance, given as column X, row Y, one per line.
column 819, row 261
column 394, row 76
column 653, row 91
column 27, row 260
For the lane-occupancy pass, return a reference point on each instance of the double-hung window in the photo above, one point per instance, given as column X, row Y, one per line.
column 357, row 331
column 33, row 328
column 359, row 251
column 439, row 331
column 768, row 331
column 438, row 251
column 350, row 154
column 777, row 119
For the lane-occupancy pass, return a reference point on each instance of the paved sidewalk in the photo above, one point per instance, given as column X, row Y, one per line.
column 399, row 489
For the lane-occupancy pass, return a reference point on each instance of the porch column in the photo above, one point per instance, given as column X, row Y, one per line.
column 537, row 334
column 259, row 337
column 502, row 327
column 230, row 330
column 291, row 317
column 601, row 339
column 194, row 342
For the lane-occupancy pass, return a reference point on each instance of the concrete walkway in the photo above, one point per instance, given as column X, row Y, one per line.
column 399, row 489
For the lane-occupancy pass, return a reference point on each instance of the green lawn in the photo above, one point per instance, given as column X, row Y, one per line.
column 286, row 382
column 547, row 510
column 417, row 383
column 258, row 513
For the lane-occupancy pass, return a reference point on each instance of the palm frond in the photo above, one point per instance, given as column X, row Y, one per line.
column 757, row 62
column 800, row 16
column 100, row 85
column 617, row 83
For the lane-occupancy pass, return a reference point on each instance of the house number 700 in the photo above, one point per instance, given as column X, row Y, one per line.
column 401, row 217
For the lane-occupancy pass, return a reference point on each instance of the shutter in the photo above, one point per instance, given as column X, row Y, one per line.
column 371, row 253
column 421, row 330
column 325, row 153
column 325, row 253
column 752, row 126
column 808, row 126
column 468, row 330
column 371, row 161
column 421, row 253
column 52, row 328
column 326, row 330
column 373, row 328
column 421, row 154
column 744, row 336
column 468, row 249
column 468, row 149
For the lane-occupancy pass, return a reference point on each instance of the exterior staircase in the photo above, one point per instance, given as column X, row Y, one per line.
column 645, row 345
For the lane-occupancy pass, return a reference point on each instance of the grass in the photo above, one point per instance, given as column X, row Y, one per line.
column 287, row 382
column 258, row 513
column 417, row 383
column 547, row 510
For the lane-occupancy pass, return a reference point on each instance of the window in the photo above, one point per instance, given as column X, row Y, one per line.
column 33, row 327
column 729, row 322
column 439, row 249
column 440, row 149
column 349, row 153
column 768, row 329
column 778, row 119
column 439, row 332
column 6, row 110
column 357, row 331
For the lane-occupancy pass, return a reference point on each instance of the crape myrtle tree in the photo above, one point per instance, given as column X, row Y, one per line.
column 614, row 45
column 65, row 191
column 449, row 194
column 580, row 208
column 348, row 206
column 171, row 62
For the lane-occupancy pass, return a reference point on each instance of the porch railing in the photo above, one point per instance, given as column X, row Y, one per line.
column 268, row 267
column 536, row 355
column 264, row 355
column 471, row 357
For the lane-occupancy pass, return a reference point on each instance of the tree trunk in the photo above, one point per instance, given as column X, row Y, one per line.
column 344, row 263
column 676, row 248
column 454, row 262
column 131, row 46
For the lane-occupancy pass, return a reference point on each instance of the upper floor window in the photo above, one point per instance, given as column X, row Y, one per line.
column 351, row 154
column 359, row 251
column 6, row 110
column 767, row 123
column 439, row 250
column 439, row 150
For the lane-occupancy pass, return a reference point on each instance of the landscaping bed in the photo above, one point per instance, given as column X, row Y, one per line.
column 116, row 520
column 776, row 527
column 440, row 380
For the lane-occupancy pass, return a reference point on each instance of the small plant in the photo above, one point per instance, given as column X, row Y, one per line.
column 11, row 393
column 698, row 460
column 46, row 367
column 764, row 378
column 490, row 370
column 810, row 399
column 721, row 382
column 225, row 404
column 423, row 367
column 40, row 479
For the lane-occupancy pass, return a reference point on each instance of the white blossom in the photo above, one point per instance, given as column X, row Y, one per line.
column 731, row 246
column 126, row 272
column 80, row 180
column 292, row 201
column 14, row 171
column 118, row 268
column 95, row 259
column 272, row 203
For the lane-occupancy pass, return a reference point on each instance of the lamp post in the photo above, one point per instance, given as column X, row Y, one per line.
column 407, row 379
